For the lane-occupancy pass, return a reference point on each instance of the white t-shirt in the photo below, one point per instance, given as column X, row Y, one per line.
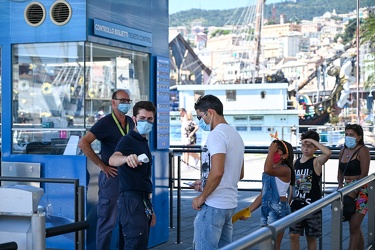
column 224, row 139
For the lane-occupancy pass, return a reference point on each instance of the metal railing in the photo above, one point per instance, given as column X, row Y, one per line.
column 79, row 224
column 267, row 235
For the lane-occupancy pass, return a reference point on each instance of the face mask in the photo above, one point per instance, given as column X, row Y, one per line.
column 124, row 107
column 276, row 158
column 350, row 142
column 203, row 125
column 144, row 127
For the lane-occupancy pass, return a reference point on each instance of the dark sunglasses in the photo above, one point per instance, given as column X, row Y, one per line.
column 123, row 100
column 200, row 117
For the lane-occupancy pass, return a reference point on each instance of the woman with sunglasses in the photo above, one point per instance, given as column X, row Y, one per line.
column 354, row 163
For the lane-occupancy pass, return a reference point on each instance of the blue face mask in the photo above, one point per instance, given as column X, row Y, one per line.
column 124, row 107
column 144, row 127
column 203, row 125
column 350, row 142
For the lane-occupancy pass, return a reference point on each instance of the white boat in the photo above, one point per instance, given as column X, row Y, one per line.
column 255, row 110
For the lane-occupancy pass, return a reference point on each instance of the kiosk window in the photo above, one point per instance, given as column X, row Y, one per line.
column 59, row 90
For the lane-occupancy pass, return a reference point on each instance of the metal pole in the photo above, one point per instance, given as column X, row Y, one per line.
column 357, row 68
column 171, row 180
column 370, row 214
column 81, row 217
column 38, row 229
column 179, row 201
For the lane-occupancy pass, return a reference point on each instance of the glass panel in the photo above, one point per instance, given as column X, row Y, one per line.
column 0, row 88
column 61, row 89
column 47, row 95
column 108, row 69
column 231, row 95
column 197, row 94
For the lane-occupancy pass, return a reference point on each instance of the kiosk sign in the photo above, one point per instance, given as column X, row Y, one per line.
column 122, row 33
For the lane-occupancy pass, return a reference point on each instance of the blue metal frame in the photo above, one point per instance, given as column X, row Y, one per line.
column 149, row 16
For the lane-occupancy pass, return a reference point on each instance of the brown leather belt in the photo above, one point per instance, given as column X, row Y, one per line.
column 283, row 199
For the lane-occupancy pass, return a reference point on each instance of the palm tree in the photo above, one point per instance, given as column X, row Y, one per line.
column 368, row 30
column 368, row 36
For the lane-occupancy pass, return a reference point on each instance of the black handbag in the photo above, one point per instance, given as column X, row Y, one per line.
column 349, row 205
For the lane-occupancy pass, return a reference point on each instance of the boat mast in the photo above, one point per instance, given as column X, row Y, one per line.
column 257, row 30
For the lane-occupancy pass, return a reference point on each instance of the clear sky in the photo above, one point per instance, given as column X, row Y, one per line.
column 179, row 5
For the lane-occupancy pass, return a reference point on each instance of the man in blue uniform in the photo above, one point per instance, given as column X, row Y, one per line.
column 108, row 130
column 133, row 157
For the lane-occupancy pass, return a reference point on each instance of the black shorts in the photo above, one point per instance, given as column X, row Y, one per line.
column 312, row 226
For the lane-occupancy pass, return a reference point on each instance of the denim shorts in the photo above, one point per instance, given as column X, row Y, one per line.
column 276, row 211
column 213, row 228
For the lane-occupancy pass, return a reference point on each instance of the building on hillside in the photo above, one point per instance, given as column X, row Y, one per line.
column 280, row 29
column 174, row 31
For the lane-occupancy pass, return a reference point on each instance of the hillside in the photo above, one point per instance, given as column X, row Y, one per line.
column 302, row 10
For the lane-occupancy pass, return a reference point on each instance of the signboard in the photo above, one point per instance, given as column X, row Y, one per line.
column 122, row 73
column 162, row 102
column 122, row 33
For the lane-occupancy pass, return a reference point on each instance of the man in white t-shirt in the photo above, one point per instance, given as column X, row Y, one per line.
column 222, row 168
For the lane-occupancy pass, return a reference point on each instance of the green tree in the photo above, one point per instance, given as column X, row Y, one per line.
column 350, row 31
column 368, row 31
column 368, row 36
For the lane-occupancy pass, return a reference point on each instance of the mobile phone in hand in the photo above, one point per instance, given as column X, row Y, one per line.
column 189, row 183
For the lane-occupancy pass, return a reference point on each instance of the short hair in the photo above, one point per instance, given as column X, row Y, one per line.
column 147, row 105
column 310, row 134
column 209, row 102
column 358, row 130
column 182, row 109
column 114, row 95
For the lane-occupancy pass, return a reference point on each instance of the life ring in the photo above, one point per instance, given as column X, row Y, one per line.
column 92, row 93
column 23, row 85
column 46, row 88
column 80, row 81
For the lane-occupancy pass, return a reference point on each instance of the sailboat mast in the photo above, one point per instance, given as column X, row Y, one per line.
column 257, row 30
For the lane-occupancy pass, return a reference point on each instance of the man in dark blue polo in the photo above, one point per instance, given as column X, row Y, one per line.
column 133, row 157
column 108, row 130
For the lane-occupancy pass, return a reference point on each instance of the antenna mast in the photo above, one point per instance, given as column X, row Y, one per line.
column 257, row 30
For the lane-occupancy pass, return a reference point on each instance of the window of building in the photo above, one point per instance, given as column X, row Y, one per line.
column 61, row 89
column 231, row 95
column 256, row 118
column 197, row 94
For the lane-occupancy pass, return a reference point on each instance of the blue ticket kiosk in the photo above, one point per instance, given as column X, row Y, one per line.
column 60, row 62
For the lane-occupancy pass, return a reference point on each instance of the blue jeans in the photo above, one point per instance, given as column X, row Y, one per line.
column 213, row 228
column 106, row 210
column 276, row 211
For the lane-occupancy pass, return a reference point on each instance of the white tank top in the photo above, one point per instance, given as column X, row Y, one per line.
column 282, row 187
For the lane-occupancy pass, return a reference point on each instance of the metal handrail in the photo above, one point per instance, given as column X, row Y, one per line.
column 336, row 195
column 334, row 199
column 79, row 223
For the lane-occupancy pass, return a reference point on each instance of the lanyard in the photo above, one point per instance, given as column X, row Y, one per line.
column 119, row 126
